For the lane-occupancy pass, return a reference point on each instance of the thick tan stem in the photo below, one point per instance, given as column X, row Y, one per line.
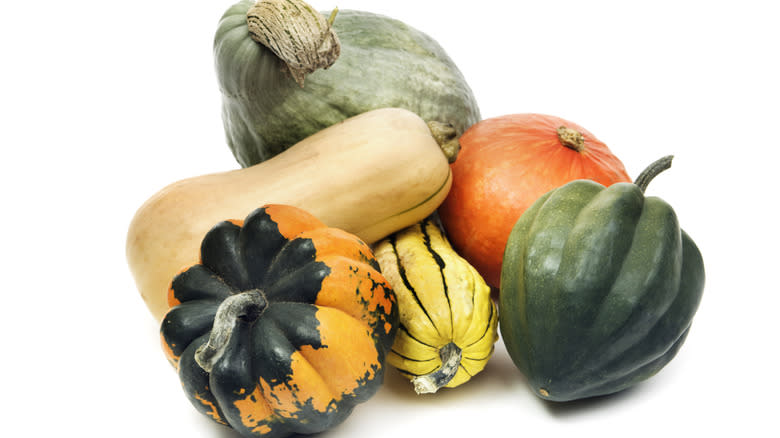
column 296, row 33
column 571, row 138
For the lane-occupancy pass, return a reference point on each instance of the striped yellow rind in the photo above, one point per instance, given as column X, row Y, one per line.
column 442, row 300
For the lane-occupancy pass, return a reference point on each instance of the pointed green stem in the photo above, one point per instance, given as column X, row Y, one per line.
column 647, row 175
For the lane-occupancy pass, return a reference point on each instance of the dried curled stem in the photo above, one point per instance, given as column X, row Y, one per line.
column 299, row 35
column 451, row 356
column 245, row 306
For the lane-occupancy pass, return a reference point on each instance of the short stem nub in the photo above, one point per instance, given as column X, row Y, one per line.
column 245, row 307
column 647, row 175
column 450, row 355
column 571, row 138
column 447, row 138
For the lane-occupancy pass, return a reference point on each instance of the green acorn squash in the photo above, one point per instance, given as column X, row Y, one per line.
column 380, row 62
column 283, row 326
column 599, row 286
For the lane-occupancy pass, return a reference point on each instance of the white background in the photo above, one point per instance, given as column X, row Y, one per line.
column 104, row 103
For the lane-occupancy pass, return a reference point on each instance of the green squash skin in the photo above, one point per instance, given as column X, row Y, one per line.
column 383, row 63
column 599, row 287
column 256, row 255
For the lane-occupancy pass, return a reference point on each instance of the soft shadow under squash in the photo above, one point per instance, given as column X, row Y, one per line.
column 576, row 407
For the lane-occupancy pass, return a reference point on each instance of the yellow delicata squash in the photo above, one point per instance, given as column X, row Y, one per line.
column 448, row 319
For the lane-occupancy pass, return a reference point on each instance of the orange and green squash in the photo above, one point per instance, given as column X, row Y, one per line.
column 283, row 326
column 599, row 287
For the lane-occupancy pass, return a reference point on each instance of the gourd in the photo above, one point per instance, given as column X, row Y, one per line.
column 599, row 287
column 282, row 327
column 375, row 62
column 370, row 175
column 448, row 322
column 505, row 163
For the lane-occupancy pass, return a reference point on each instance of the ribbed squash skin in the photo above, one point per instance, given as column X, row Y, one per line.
column 599, row 287
column 314, row 351
column 441, row 299
column 383, row 63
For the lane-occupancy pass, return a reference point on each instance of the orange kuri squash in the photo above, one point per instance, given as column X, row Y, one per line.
column 505, row 164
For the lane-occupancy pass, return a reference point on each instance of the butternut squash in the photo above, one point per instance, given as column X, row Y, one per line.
column 371, row 175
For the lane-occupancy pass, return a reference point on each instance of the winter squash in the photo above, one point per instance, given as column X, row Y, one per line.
column 599, row 287
column 284, row 325
column 370, row 175
column 366, row 61
column 448, row 322
column 505, row 164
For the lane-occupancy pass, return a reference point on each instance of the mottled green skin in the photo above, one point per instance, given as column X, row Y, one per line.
column 598, row 289
column 383, row 63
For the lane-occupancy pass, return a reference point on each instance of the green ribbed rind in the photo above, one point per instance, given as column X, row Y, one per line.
column 383, row 63
column 599, row 287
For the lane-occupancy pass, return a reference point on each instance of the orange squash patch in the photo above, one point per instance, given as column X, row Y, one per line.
column 344, row 365
column 305, row 384
column 329, row 241
column 356, row 289
column 255, row 411
column 292, row 221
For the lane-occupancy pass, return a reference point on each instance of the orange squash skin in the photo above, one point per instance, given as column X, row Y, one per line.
column 505, row 163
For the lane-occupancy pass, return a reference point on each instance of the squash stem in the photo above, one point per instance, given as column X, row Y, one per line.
column 245, row 306
column 296, row 33
column 647, row 175
column 450, row 355
column 447, row 138
column 571, row 138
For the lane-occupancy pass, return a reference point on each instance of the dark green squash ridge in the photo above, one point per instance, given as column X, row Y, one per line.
column 599, row 287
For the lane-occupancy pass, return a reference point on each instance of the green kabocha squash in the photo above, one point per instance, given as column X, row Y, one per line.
column 286, row 71
column 283, row 326
column 599, row 286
